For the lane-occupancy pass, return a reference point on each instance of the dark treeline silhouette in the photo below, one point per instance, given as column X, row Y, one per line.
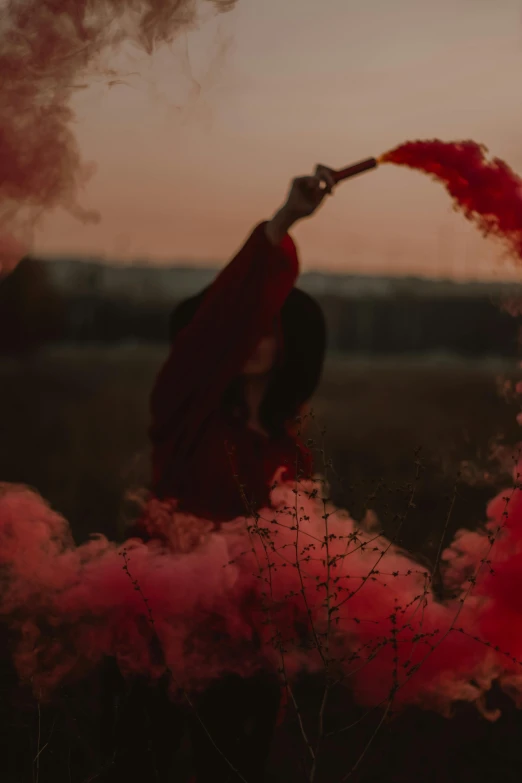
column 466, row 326
column 32, row 312
column 469, row 322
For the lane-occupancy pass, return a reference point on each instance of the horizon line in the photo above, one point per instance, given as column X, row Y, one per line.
column 204, row 265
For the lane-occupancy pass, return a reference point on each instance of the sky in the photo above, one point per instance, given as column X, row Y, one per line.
column 200, row 142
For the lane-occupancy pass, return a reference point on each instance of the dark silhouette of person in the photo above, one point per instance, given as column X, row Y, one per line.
column 246, row 356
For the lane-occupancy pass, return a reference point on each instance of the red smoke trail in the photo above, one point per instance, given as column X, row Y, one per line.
column 70, row 605
column 488, row 192
column 485, row 564
column 490, row 559
column 46, row 48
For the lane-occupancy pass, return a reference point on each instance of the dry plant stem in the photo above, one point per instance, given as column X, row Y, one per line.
column 356, row 722
column 383, row 552
column 301, row 582
column 266, row 609
column 429, row 580
column 38, row 742
column 169, row 671
column 325, row 541
column 313, row 752
column 369, row 743
column 472, row 580
column 325, row 657
column 327, row 686
column 469, row 590
column 485, row 559
column 395, row 685
column 436, row 566
column 39, row 747
column 463, row 599
column 490, row 645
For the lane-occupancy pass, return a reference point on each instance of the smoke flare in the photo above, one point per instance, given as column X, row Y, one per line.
column 488, row 192
column 356, row 168
column 46, row 48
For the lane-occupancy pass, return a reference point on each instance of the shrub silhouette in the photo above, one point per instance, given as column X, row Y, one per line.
column 32, row 312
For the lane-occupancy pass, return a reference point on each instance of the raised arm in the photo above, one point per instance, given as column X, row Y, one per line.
column 235, row 313
column 232, row 317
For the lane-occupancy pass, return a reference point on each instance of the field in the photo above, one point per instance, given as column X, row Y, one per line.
column 74, row 427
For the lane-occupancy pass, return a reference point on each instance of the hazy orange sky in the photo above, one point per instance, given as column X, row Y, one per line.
column 201, row 142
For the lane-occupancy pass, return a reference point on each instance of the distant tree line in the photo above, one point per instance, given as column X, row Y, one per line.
column 32, row 314
column 466, row 326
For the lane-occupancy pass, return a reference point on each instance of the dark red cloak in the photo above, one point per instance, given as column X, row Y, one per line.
column 195, row 450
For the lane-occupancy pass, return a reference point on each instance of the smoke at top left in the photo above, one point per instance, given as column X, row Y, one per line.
column 47, row 49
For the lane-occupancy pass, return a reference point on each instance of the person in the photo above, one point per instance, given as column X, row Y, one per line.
column 246, row 356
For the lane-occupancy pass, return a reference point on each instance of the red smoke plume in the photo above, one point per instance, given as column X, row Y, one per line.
column 70, row 606
column 488, row 561
column 46, row 48
column 488, row 192
column 484, row 565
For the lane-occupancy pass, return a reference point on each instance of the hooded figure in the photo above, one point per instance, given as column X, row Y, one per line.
column 202, row 444
column 246, row 355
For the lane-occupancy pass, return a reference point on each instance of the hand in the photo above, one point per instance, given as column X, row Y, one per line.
column 304, row 198
column 308, row 193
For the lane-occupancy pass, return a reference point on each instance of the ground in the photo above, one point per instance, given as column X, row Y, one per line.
column 74, row 427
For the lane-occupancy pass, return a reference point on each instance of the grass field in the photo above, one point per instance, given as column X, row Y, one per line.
column 74, row 427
